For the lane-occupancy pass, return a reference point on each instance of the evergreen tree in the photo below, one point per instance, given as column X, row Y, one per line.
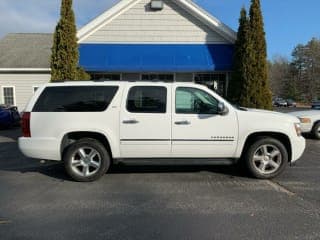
column 82, row 74
column 260, row 93
column 248, row 88
column 65, row 53
column 249, row 83
column 242, row 81
column 240, row 55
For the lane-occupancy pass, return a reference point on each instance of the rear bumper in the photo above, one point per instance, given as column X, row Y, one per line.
column 40, row 148
column 298, row 147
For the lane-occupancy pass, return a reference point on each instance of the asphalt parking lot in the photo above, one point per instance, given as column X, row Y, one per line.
column 39, row 201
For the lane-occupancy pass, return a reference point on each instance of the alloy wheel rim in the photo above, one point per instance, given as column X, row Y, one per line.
column 86, row 161
column 267, row 159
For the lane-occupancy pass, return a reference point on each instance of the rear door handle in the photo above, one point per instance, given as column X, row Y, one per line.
column 130, row 121
column 184, row 122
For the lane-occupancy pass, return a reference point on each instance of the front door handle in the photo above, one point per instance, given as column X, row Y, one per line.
column 130, row 121
column 184, row 122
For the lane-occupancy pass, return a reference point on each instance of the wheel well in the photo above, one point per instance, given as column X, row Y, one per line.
column 71, row 137
column 284, row 139
column 315, row 123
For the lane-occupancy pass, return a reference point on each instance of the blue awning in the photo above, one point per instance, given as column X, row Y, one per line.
column 156, row 57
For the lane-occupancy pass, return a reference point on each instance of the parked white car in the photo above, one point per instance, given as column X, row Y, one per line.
column 91, row 125
column 310, row 122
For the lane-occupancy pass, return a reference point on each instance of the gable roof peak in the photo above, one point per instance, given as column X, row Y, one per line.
column 188, row 5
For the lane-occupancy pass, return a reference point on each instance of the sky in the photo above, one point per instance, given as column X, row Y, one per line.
column 287, row 22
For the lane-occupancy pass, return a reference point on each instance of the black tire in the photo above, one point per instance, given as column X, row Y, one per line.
column 316, row 131
column 102, row 157
column 251, row 164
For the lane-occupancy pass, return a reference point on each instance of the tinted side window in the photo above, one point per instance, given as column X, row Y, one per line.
column 195, row 101
column 147, row 99
column 75, row 99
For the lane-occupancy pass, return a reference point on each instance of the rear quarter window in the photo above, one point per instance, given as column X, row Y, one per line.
column 75, row 99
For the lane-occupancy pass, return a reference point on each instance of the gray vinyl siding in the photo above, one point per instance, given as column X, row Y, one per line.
column 140, row 24
column 23, row 84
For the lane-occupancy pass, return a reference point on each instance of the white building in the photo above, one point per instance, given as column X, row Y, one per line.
column 169, row 40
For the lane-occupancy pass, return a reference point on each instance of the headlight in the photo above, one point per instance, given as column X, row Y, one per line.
column 305, row 120
column 297, row 126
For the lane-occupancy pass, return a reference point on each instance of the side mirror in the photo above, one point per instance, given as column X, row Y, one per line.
column 222, row 109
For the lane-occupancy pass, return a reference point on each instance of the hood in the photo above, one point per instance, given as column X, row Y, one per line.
column 306, row 113
column 266, row 113
column 262, row 111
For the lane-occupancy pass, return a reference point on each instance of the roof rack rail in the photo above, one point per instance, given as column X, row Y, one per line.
column 155, row 81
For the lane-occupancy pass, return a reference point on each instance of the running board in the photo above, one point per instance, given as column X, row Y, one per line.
column 176, row 161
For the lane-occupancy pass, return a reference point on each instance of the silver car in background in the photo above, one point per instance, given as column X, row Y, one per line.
column 310, row 121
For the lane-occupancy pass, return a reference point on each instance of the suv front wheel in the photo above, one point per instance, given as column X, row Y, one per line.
column 86, row 160
column 266, row 158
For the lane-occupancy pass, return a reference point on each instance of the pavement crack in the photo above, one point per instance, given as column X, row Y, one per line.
column 279, row 188
column 307, row 204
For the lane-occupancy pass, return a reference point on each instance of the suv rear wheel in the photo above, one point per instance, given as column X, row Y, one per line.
column 86, row 160
column 266, row 158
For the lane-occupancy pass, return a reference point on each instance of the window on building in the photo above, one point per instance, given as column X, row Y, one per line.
column 75, row 99
column 8, row 95
column 195, row 101
column 146, row 99
column 214, row 81
column 105, row 76
column 158, row 77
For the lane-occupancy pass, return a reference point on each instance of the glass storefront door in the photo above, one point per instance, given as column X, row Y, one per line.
column 215, row 81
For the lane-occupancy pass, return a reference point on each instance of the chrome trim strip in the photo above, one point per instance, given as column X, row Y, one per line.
column 177, row 140
column 145, row 140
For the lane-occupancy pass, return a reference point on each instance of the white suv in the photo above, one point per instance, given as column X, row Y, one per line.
column 91, row 125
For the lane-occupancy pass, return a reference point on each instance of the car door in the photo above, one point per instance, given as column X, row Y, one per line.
column 145, row 127
column 198, row 131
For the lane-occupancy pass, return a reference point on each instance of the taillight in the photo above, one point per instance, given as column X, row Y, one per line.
column 25, row 124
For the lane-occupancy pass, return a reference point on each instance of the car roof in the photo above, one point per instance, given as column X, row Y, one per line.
column 118, row 83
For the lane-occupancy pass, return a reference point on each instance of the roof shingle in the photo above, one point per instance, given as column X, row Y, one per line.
column 26, row 50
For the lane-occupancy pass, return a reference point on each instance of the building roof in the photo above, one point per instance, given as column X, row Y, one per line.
column 31, row 51
column 25, row 51
column 188, row 5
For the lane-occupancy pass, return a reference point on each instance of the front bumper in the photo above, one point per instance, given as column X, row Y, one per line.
column 298, row 148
